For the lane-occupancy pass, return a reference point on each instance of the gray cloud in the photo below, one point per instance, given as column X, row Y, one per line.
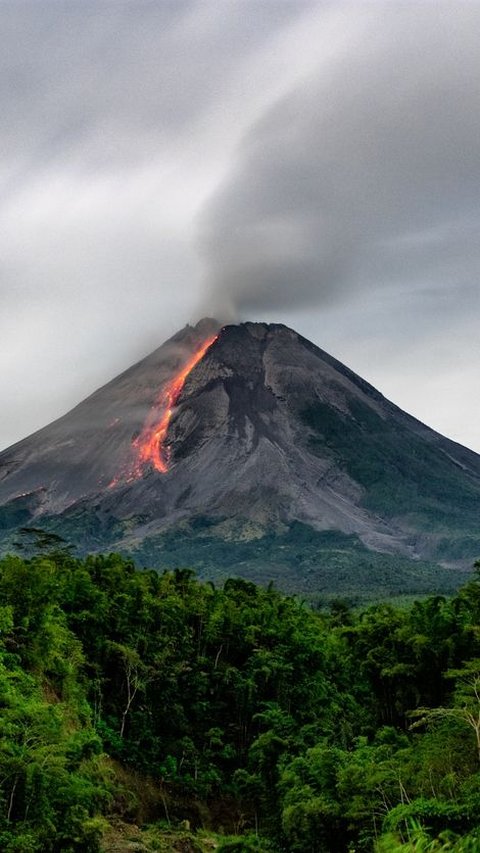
column 117, row 121
column 366, row 176
column 99, row 85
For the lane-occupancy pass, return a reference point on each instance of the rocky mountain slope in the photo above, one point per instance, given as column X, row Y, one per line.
column 249, row 449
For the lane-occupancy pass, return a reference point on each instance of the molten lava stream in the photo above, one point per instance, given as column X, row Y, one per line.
column 150, row 443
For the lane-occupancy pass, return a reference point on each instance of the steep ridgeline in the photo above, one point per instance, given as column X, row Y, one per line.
column 248, row 450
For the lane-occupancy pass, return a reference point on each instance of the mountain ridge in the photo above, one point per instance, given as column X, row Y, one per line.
column 267, row 431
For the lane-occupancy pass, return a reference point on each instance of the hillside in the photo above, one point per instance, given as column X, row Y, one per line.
column 270, row 459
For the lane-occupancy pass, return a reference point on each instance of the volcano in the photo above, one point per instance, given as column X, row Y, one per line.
column 248, row 450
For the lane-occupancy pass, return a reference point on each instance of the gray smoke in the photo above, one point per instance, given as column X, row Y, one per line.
column 107, row 111
column 365, row 176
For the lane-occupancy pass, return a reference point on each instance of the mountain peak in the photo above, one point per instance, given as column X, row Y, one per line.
column 204, row 327
column 254, row 428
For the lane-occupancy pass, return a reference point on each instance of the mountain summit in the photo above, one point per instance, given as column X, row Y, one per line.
column 245, row 436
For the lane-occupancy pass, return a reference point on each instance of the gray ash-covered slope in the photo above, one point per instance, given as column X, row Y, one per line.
column 282, row 463
column 80, row 454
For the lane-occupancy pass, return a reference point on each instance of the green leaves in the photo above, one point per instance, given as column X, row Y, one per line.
column 237, row 707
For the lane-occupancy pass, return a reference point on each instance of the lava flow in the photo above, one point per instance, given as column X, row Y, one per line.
column 151, row 443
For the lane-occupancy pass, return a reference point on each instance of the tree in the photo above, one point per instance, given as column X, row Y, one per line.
column 466, row 703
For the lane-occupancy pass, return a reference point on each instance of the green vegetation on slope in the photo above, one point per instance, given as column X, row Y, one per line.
column 298, row 559
column 317, row 564
column 403, row 475
column 182, row 710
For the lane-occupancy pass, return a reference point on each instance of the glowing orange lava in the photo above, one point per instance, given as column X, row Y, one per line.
column 151, row 443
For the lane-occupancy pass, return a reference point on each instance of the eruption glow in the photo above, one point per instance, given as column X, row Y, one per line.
column 151, row 443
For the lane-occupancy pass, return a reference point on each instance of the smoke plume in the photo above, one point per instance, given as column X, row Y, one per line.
column 366, row 176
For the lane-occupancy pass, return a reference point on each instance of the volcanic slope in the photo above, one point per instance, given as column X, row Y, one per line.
column 248, row 450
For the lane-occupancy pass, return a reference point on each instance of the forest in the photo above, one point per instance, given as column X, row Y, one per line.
column 151, row 706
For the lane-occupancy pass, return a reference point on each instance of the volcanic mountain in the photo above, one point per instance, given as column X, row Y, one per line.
column 248, row 450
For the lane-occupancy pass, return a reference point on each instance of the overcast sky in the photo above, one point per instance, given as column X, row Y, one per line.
column 311, row 163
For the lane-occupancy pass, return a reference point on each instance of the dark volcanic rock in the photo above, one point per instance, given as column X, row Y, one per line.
column 268, row 430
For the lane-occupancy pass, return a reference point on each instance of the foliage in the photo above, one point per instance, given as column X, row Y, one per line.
column 151, row 697
column 318, row 564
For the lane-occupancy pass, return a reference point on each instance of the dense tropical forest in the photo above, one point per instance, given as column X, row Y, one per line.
column 147, row 711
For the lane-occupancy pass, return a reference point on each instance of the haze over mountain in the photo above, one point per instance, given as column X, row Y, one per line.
column 247, row 449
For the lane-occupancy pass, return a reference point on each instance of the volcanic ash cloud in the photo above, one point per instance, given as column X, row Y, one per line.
column 365, row 176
